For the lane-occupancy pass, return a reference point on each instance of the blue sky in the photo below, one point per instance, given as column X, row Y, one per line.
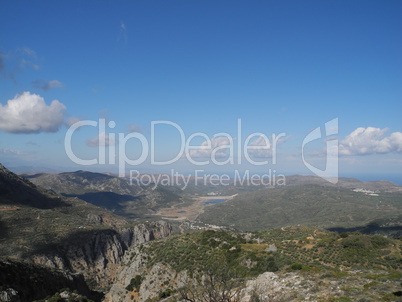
column 279, row 66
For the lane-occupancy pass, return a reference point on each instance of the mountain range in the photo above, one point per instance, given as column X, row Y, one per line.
column 308, row 200
column 110, row 192
column 82, row 236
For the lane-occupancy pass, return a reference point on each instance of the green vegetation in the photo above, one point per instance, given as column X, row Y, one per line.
column 166, row 293
column 200, row 251
column 65, row 295
column 220, row 262
column 217, row 284
column 322, row 248
column 298, row 248
column 315, row 205
column 28, row 230
column 296, row 266
column 32, row 219
column 135, row 283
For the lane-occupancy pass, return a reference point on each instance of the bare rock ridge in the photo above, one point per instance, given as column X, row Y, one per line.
column 98, row 255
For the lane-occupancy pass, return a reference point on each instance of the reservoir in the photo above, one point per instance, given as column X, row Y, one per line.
column 212, row 201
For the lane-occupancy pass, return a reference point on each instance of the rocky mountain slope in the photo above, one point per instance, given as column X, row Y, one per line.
column 23, row 281
column 65, row 234
column 49, row 242
column 98, row 254
column 81, row 182
column 289, row 264
column 110, row 192
column 32, row 218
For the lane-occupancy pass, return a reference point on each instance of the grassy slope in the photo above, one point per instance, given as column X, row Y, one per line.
column 296, row 244
column 357, row 267
column 307, row 204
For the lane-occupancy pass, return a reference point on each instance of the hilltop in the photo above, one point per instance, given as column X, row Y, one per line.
column 309, row 204
column 109, row 192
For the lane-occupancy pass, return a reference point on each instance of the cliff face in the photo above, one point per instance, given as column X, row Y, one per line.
column 153, row 279
column 356, row 285
column 22, row 281
column 62, row 234
column 98, row 255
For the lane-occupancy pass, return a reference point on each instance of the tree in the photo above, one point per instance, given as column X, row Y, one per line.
column 218, row 283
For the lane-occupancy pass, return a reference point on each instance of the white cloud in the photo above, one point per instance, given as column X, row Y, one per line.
column 28, row 113
column 370, row 140
column 103, row 139
column 46, row 85
column 219, row 145
column 263, row 147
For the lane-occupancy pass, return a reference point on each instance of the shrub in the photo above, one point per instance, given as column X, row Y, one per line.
column 166, row 293
column 296, row 266
column 135, row 283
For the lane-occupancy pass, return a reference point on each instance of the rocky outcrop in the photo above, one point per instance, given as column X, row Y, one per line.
column 290, row 286
column 297, row 286
column 98, row 255
column 22, row 281
column 155, row 279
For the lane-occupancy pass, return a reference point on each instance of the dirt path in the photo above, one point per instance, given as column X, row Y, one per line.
column 10, row 209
